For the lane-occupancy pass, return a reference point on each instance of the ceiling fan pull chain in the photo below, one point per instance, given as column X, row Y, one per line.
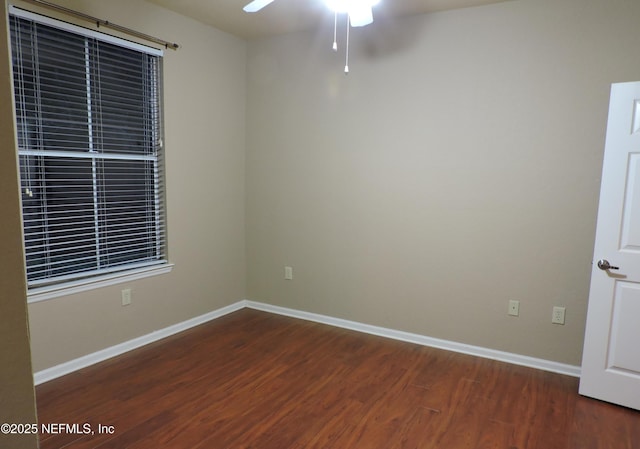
column 346, row 64
column 335, row 31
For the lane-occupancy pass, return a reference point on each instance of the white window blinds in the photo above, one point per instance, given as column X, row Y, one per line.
column 89, row 142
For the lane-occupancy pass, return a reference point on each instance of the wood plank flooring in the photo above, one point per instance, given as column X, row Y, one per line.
column 262, row 381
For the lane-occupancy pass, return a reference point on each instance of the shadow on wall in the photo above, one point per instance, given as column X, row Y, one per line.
column 383, row 37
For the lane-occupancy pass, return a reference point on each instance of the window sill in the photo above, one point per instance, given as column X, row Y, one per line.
column 54, row 291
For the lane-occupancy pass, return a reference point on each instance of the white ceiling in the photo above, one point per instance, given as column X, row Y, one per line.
column 285, row 16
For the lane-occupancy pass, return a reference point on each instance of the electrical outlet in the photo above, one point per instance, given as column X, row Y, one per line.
column 288, row 273
column 558, row 315
column 514, row 308
column 126, row 296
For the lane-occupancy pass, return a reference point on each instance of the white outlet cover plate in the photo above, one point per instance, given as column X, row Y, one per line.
column 558, row 315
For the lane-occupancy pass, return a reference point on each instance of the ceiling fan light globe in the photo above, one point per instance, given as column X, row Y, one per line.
column 360, row 16
column 344, row 6
column 338, row 6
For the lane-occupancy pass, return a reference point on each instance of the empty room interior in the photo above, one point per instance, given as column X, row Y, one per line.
column 398, row 256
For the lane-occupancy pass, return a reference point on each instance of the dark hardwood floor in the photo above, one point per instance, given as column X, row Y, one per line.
column 262, row 381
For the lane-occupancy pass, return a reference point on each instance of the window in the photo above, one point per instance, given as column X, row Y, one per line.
column 90, row 149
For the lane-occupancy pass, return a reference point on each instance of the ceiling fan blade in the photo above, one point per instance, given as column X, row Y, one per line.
column 256, row 5
column 360, row 15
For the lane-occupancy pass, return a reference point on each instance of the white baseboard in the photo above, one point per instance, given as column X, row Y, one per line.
column 515, row 359
column 107, row 353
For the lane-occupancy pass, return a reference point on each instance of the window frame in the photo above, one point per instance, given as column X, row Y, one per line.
column 132, row 270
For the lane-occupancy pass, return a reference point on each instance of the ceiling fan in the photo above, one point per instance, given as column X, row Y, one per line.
column 359, row 14
column 359, row 11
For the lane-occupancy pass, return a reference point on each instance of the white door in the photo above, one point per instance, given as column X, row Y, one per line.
column 611, row 360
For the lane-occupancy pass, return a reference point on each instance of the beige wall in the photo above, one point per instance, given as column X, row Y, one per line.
column 204, row 105
column 17, row 402
column 455, row 168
